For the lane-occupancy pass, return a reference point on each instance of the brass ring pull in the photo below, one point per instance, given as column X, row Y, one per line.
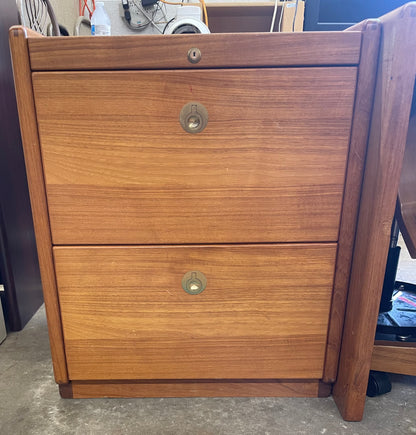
column 193, row 117
column 194, row 282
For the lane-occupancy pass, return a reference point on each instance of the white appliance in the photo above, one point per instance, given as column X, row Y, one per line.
column 188, row 20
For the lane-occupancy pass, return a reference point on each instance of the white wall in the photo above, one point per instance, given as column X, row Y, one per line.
column 66, row 12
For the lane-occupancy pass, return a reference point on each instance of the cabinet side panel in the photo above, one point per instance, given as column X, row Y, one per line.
column 28, row 126
column 19, row 268
column 356, row 159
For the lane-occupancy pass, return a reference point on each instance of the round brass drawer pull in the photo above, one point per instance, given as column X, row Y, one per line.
column 194, row 282
column 193, row 117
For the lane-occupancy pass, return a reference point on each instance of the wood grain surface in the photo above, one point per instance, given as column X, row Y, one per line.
column 389, row 126
column 263, row 314
column 394, row 357
column 34, row 170
column 243, row 17
column 198, row 388
column 269, row 167
column 356, row 162
column 19, row 267
column 218, row 50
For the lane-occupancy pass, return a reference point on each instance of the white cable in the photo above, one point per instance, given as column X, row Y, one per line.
column 22, row 14
column 274, row 15
column 279, row 27
column 294, row 16
column 164, row 12
column 148, row 17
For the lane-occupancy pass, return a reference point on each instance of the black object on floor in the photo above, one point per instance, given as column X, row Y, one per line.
column 378, row 383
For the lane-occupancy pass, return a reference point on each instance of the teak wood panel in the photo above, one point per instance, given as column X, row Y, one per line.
column 270, row 165
column 355, row 169
column 33, row 160
column 244, row 17
column 197, row 388
column 394, row 357
column 387, row 141
column 170, row 51
column 19, row 267
column 264, row 312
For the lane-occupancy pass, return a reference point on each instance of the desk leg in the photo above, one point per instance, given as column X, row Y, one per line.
column 387, row 140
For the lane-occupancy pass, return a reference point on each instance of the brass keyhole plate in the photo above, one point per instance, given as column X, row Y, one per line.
column 194, row 282
column 194, row 55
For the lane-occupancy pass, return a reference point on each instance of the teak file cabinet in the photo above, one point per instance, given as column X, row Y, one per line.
column 200, row 226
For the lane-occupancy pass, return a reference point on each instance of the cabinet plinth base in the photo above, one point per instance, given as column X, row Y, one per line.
column 195, row 388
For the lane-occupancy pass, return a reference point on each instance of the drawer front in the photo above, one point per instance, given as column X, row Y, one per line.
column 263, row 314
column 268, row 167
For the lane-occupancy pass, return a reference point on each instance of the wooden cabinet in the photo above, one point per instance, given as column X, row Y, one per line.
column 212, row 263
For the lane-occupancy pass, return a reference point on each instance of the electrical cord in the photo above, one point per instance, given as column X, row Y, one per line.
column 204, row 6
column 150, row 19
column 171, row 3
column 163, row 12
column 36, row 14
column 294, row 17
column 279, row 27
column 274, row 14
column 77, row 27
column 137, row 27
column 83, row 4
column 167, row 24
column 202, row 2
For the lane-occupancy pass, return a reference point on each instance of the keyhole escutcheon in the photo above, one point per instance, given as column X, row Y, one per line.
column 194, row 55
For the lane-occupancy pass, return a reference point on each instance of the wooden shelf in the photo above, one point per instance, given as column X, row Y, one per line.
column 252, row 17
column 394, row 357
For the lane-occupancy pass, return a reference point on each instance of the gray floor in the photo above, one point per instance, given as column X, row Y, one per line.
column 30, row 403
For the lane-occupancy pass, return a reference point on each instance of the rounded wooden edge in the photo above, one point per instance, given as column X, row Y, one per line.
column 371, row 25
column 363, row 26
column 17, row 31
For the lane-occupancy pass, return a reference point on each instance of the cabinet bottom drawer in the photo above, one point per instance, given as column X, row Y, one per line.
column 195, row 312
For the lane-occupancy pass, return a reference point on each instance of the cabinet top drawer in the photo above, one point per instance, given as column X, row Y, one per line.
column 218, row 51
column 269, row 166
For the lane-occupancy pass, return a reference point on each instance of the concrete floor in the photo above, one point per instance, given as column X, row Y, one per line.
column 30, row 403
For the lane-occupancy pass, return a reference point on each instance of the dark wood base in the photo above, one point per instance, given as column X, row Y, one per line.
column 195, row 388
